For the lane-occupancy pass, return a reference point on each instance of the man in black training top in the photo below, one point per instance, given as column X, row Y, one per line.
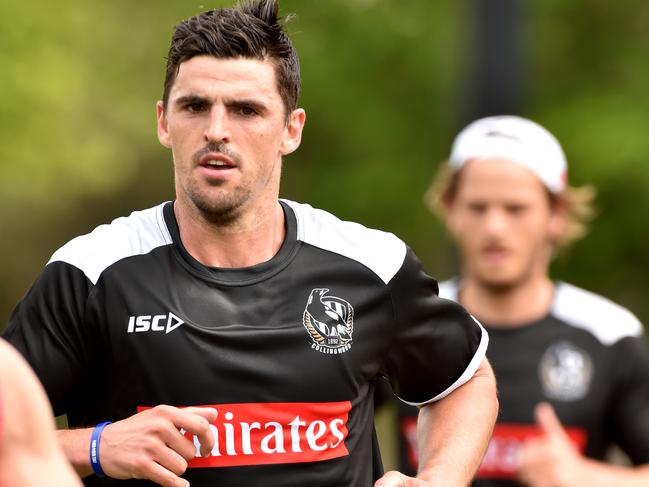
column 233, row 338
column 572, row 366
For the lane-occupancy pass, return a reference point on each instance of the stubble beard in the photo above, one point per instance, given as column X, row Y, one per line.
column 220, row 209
column 217, row 206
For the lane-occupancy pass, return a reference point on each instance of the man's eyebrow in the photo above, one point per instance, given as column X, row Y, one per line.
column 187, row 99
column 248, row 102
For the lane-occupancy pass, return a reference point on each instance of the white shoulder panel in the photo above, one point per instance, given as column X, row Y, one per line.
column 607, row 321
column 383, row 253
column 137, row 234
column 448, row 289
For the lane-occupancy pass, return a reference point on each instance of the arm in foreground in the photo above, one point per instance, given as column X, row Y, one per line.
column 453, row 434
column 148, row 445
column 553, row 461
column 29, row 453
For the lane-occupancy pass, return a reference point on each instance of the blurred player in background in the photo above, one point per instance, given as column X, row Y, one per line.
column 572, row 366
column 270, row 318
column 30, row 455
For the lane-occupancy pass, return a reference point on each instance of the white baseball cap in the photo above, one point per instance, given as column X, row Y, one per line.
column 517, row 139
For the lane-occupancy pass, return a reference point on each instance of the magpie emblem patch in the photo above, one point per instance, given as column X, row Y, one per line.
column 329, row 320
column 566, row 372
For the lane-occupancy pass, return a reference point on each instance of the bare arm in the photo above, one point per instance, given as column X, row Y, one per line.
column 28, row 438
column 148, row 445
column 553, row 461
column 453, row 434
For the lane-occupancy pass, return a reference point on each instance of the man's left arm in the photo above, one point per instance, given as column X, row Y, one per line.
column 453, row 434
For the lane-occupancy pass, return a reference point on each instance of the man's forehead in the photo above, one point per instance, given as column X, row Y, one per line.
column 232, row 77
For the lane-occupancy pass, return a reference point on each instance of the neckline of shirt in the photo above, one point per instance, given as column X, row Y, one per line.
column 237, row 276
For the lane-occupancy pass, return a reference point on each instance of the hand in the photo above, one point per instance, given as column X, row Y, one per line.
column 397, row 479
column 149, row 445
column 550, row 460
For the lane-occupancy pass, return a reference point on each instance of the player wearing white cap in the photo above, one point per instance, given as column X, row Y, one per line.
column 572, row 366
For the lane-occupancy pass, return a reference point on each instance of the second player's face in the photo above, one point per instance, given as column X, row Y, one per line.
column 503, row 222
column 225, row 124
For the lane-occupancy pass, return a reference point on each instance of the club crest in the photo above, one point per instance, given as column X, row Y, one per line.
column 566, row 372
column 329, row 321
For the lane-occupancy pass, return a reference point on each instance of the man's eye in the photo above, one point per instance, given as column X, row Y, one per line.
column 247, row 111
column 195, row 107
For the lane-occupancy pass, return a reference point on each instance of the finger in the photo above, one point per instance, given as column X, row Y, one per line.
column 171, row 460
column 161, row 476
column 179, row 443
column 197, row 422
column 210, row 414
column 547, row 419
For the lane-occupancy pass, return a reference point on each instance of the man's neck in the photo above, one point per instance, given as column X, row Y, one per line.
column 510, row 307
column 250, row 241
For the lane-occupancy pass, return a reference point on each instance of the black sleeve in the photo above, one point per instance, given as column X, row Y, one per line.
column 437, row 345
column 47, row 328
column 631, row 400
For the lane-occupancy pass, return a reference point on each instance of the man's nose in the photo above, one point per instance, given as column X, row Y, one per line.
column 495, row 222
column 217, row 128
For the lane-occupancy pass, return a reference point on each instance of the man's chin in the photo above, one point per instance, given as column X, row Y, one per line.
column 499, row 284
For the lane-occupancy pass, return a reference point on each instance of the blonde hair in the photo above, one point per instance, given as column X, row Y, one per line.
column 577, row 201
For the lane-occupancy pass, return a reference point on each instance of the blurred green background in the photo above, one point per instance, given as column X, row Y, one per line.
column 385, row 86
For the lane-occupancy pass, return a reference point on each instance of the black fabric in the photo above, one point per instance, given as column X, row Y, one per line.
column 241, row 339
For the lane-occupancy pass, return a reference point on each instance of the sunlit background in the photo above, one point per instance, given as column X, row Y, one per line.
column 386, row 85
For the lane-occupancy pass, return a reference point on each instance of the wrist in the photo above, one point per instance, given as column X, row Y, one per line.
column 95, row 443
column 74, row 444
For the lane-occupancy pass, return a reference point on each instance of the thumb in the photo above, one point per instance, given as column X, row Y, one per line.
column 547, row 419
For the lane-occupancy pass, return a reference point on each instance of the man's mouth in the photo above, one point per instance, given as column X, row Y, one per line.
column 216, row 161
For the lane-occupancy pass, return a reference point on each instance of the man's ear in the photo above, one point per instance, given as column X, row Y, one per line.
column 447, row 212
column 293, row 132
column 163, row 133
column 559, row 217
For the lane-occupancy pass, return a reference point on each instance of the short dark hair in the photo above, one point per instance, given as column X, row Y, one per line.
column 252, row 29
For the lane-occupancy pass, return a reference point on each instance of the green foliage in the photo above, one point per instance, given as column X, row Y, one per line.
column 383, row 92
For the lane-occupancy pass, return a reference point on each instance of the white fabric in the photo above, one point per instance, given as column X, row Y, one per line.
column 381, row 252
column 137, row 234
column 607, row 321
column 516, row 139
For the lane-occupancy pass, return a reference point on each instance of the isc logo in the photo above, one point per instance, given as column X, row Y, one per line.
column 166, row 323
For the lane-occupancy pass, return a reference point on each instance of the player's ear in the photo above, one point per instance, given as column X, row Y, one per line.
column 163, row 132
column 559, row 217
column 293, row 132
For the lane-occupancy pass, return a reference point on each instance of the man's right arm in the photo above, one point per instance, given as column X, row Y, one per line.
column 148, row 445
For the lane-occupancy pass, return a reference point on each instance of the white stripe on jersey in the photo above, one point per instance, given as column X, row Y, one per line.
column 605, row 320
column 383, row 253
column 137, row 234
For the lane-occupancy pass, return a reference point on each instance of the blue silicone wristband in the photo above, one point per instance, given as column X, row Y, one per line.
column 94, row 449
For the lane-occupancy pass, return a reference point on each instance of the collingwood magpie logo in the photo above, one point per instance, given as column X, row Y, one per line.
column 566, row 372
column 329, row 321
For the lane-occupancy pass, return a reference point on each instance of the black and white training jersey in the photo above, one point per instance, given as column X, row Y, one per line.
column 587, row 357
column 287, row 351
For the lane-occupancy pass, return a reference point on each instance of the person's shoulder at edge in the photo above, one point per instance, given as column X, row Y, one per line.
column 606, row 320
column 138, row 233
column 382, row 252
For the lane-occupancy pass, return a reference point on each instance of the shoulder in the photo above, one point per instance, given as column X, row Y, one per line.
column 607, row 321
column 382, row 252
column 137, row 234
